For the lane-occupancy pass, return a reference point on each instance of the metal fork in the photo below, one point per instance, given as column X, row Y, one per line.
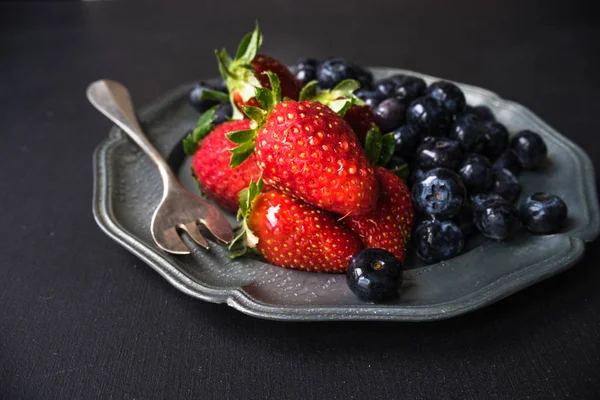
column 179, row 210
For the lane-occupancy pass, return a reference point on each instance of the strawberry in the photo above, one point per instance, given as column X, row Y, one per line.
column 210, row 163
column 293, row 234
column 307, row 150
column 358, row 115
column 246, row 71
column 389, row 225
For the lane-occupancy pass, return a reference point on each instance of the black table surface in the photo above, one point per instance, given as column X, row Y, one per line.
column 81, row 318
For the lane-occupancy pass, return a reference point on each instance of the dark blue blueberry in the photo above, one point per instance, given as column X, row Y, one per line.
column 449, row 94
column 544, row 213
column 385, row 87
column 223, row 113
column 410, row 88
column 195, row 96
column 529, row 148
column 333, row 71
column 389, row 114
column 364, row 76
column 428, row 117
column 496, row 139
column 438, row 152
column 371, row 97
column 374, row 275
column 481, row 112
column 484, row 199
column 306, row 70
column 439, row 193
column 476, row 173
column 468, row 131
column 436, row 240
column 508, row 160
column 497, row 220
column 399, row 79
column 407, row 141
column 506, row 185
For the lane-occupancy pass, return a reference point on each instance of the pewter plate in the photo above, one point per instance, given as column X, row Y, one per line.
column 127, row 189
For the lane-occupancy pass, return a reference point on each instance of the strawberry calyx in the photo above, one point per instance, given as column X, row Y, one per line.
column 238, row 72
column 380, row 149
column 203, row 127
column 245, row 139
column 246, row 240
column 339, row 99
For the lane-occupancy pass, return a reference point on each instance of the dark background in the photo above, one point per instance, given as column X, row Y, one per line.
column 81, row 318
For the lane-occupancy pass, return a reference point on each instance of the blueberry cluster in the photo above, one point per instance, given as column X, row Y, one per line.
column 463, row 166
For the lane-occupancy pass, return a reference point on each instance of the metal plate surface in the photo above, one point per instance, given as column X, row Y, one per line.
column 127, row 189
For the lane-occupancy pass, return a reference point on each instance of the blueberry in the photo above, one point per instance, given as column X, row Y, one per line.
column 439, row 193
column 398, row 79
column 436, row 240
column 484, row 199
column 476, row 173
column 407, row 141
column 449, row 94
column 530, row 149
column 508, row 160
column 438, row 152
column 410, row 88
column 506, row 185
column 497, row 220
column 389, row 114
column 496, row 139
column 385, row 87
column 468, row 131
column 374, row 275
column 544, row 213
column 195, row 96
column 223, row 113
column 306, row 70
column 428, row 117
column 371, row 97
column 481, row 112
column 333, row 71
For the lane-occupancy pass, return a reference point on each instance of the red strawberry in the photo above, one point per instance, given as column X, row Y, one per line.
column 387, row 227
column 294, row 234
column 307, row 150
column 360, row 119
column 358, row 116
column 246, row 72
column 211, row 166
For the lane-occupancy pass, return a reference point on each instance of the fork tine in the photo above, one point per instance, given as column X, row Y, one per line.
column 169, row 240
column 191, row 228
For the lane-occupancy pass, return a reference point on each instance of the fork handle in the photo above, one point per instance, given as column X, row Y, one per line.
column 113, row 100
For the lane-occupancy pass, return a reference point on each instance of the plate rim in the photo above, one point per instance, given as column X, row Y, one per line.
column 239, row 298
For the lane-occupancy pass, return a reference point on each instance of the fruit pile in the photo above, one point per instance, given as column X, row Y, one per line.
column 318, row 163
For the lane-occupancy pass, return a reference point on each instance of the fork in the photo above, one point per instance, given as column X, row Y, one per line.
column 179, row 210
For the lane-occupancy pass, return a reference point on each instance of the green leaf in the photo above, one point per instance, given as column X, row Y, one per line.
column 255, row 114
column 209, row 94
column 402, row 172
column 373, row 145
column 241, row 153
column 224, row 61
column 346, row 87
column 275, row 86
column 207, row 117
column 308, row 91
column 340, row 106
column 264, row 98
column 189, row 145
column 239, row 137
column 249, row 46
column 388, row 145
